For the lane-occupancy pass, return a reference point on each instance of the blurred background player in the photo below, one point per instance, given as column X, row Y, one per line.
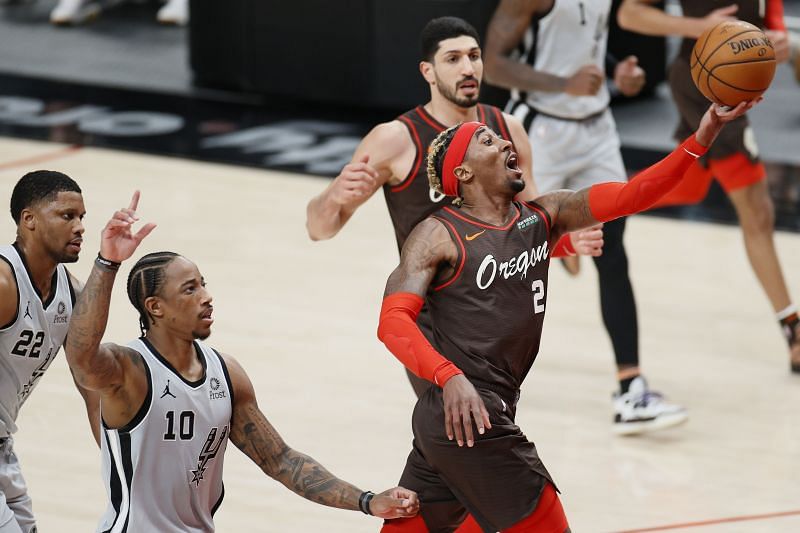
column 392, row 155
column 552, row 54
column 69, row 12
column 36, row 298
column 734, row 160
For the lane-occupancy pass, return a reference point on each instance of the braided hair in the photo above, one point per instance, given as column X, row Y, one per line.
column 436, row 152
column 145, row 280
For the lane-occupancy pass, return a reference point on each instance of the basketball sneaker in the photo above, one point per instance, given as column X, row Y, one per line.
column 174, row 12
column 69, row 12
column 641, row 410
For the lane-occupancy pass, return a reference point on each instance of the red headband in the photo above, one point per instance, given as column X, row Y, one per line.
column 455, row 156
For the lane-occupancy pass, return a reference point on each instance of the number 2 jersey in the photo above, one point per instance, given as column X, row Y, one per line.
column 163, row 470
column 488, row 317
column 30, row 342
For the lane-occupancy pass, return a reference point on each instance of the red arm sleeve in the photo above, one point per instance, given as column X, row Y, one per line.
column 564, row 247
column 398, row 330
column 608, row 201
column 773, row 15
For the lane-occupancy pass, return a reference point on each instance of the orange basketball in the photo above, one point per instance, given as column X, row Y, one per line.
column 732, row 62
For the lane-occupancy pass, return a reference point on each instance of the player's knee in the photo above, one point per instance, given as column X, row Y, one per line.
column 759, row 215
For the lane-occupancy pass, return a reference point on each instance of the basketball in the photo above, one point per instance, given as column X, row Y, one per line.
column 732, row 62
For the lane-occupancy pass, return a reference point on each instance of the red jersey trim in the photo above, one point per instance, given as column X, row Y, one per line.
column 432, row 122
column 481, row 113
column 458, row 240
column 498, row 115
column 479, row 224
column 542, row 211
column 417, row 158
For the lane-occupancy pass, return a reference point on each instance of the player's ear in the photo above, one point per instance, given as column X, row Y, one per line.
column 463, row 173
column 153, row 306
column 27, row 219
column 426, row 69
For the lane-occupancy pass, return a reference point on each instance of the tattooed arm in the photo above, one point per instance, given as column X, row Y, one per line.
column 252, row 433
column 115, row 372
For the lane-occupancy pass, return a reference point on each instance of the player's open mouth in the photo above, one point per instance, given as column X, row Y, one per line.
column 206, row 315
column 469, row 86
column 75, row 244
column 512, row 163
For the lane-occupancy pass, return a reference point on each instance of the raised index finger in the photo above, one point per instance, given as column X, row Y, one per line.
column 134, row 201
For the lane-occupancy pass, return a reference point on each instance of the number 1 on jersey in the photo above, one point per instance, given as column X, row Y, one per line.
column 186, row 423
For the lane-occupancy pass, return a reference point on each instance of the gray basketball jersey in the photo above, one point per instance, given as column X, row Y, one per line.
column 31, row 341
column 163, row 471
column 573, row 34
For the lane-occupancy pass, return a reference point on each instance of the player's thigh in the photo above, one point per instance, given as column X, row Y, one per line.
column 602, row 162
column 553, row 148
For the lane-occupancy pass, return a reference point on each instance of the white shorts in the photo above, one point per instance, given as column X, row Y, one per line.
column 16, row 511
column 571, row 154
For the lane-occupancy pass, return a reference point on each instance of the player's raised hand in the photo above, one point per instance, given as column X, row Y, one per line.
column 398, row 502
column 629, row 77
column 355, row 183
column 588, row 241
column 717, row 116
column 117, row 240
column 585, row 82
column 462, row 406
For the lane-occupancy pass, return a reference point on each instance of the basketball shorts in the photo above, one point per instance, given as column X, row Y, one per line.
column 499, row 480
column 736, row 138
column 573, row 155
column 16, row 511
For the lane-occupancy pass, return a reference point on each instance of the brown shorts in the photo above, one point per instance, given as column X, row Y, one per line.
column 498, row 481
column 735, row 138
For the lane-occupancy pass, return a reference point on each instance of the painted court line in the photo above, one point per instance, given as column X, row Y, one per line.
column 744, row 518
column 41, row 158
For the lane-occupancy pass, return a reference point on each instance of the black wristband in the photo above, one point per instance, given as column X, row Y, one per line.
column 363, row 501
column 106, row 264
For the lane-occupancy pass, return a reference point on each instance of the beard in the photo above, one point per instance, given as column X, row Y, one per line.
column 201, row 336
column 517, row 186
column 452, row 94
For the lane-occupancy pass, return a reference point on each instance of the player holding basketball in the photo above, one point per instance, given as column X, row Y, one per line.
column 392, row 155
column 551, row 54
column 733, row 160
column 170, row 403
column 36, row 298
column 487, row 300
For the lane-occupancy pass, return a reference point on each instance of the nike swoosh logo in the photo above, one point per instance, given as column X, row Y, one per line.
column 474, row 235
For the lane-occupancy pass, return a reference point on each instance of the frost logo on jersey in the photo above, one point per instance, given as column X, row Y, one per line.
column 520, row 264
column 60, row 319
column 210, row 450
column 215, row 393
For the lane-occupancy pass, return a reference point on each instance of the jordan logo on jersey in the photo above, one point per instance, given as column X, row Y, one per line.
column 210, row 450
column 167, row 391
column 27, row 311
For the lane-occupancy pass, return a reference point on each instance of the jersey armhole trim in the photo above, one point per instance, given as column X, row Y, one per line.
column 412, row 131
column 501, row 121
column 16, row 284
column 227, row 379
column 141, row 414
column 219, row 502
column 462, row 252
column 71, row 288
column 544, row 214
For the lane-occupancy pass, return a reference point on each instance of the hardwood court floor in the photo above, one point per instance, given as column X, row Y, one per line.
column 301, row 317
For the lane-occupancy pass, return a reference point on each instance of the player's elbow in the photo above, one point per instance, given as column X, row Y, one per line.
column 491, row 69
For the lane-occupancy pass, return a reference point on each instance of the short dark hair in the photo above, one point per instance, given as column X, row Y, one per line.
column 37, row 186
column 145, row 280
column 439, row 29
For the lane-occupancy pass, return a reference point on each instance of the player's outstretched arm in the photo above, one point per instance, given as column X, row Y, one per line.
column 428, row 250
column 571, row 210
column 369, row 170
column 102, row 367
column 252, row 433
column 642, row 17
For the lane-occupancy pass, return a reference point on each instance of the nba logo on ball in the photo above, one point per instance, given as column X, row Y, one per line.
column 733, row 62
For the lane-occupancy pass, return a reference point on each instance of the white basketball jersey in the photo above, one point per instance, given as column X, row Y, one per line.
column 31, row 341
column 163, row 471
column 573, row 34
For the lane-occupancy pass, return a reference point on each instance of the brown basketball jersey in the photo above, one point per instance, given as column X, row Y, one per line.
column 413, row 200
column 487, row 318
column 749, row 11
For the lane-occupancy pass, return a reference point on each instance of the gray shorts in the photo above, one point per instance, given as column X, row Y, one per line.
column 16, row 511
column 575, row 154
